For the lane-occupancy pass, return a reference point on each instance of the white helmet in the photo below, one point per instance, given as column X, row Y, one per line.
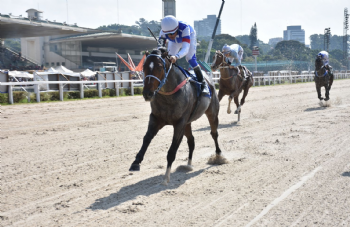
column 226, row 49
column 169, row 24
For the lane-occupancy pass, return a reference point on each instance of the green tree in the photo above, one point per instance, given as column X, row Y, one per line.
column 253, row 36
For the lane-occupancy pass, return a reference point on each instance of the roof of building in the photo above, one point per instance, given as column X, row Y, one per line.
column 112, row 39
column 18, row 26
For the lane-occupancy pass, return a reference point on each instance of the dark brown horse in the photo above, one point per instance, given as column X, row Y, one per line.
column 323, row 78
column 231, row 82
column 174, row 102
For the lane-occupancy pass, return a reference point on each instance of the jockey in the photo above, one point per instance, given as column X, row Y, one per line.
column 181, row 36
column 324, row 56
column 234, row 54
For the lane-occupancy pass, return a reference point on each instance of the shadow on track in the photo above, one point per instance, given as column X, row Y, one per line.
column 145, row 187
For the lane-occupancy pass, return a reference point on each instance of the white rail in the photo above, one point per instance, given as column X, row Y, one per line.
column 259, row 81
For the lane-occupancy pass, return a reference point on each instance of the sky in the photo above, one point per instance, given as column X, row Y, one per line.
column 237, row 17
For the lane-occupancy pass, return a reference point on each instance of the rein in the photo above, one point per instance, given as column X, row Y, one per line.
column 162, row 82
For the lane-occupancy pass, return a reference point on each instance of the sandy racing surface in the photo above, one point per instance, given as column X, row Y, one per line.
column 66, row 164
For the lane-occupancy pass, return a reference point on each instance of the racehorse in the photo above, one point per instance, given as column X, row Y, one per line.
column 174, row 101
column 322, row 78
column 230, row 82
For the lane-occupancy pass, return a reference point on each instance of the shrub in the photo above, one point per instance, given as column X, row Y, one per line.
column 45, row 96
column 217, row 86
column 55, row 96
column 18, row 96
column 90, row 93
column 4, row 98
column 138, row 90
column 74, row 95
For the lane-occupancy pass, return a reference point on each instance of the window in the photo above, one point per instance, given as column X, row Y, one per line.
column 47, row 64
column 63, row 64
column 52, row 63
column 57, row 64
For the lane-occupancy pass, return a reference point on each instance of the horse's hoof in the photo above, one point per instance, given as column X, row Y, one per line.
column 135, row 167
column 326, row 99
column 320, row 98
column 236, row 112
column 229, row 111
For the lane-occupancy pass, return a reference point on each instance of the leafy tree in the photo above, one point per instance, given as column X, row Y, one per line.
column 293, row 50
column 253, row 36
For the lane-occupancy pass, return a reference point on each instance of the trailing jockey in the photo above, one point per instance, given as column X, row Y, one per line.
column 234, row 53
column 182, row 42
column 324, row 56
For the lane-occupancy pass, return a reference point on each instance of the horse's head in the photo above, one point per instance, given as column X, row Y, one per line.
column 218, row 60
column 154, row 70
column 318, row 63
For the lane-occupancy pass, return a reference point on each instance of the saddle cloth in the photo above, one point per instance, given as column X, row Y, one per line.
column 206, row 91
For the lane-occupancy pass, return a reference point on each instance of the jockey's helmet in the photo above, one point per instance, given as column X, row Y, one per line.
column 226, row 49
column 169, row 24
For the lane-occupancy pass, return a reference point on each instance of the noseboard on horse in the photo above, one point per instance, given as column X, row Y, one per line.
column 322, row 79
column 230, row 82
column 174, row 101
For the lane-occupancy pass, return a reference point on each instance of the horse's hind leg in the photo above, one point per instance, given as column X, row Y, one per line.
column 153, row 127
column 237, row 105
column 214, row 123
column 190, row 142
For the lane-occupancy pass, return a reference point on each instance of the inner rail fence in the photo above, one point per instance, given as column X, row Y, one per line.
column 258, row 81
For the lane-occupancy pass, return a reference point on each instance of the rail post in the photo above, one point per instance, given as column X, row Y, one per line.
column 10, row 94
column 99, row 87
column 37, row 92
column 81, row 91
column 60, row 87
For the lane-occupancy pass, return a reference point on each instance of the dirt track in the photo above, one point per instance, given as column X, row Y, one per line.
column 66, row 164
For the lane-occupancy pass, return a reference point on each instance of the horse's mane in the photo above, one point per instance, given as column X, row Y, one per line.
column 156, row 51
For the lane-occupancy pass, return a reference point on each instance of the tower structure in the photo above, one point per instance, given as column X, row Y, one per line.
column 346, row 38
column 327, row 38
column 169, row 8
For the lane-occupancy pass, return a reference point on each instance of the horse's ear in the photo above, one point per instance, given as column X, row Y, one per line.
column 164, row 54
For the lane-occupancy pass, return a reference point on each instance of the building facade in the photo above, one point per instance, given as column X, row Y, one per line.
column 205, row 27
column 169, row 8
column 274, row 41
column 294, row 33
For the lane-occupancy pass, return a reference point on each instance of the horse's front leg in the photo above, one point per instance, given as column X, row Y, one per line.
column 229, row 104
column 318, row 89
column 327, row 87
column 179, row 129
column 154, row 126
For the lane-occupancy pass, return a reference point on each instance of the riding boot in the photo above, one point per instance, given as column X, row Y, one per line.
column 197, row 70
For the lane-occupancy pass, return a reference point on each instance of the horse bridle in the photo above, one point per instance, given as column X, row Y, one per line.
column 161, row 82
column 325, row 73
column 223, row 60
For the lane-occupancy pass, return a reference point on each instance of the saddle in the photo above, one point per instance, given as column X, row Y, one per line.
column 193, row 78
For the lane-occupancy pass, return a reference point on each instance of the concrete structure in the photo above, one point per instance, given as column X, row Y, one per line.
column 274, row 41
column 52, row 44
column 169, row 8
column 205, row 27
column 294, row 33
